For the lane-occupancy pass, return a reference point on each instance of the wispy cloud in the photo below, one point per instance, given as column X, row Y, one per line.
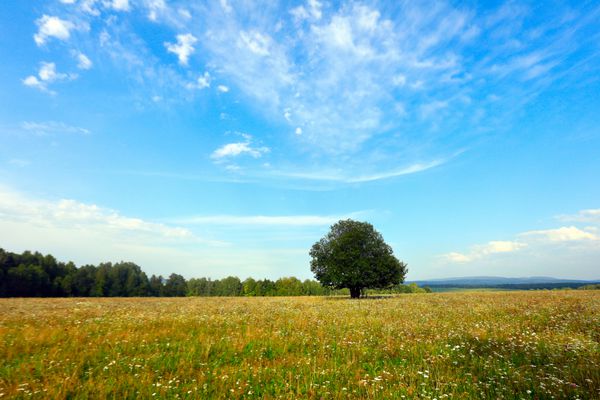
column 150, row 77
column 53, row 127
column 563, row 234
column 342, row 177
column 412, row 169
column 71, row 215
column 333, row 74
column 262, row 220
column 47, row 75
column 232, row 150
column 19, row 162
column 345, row 81
column 88, row 233
column 202, row 82
column 226, row 6
column 236, row 149
column 83, row 62
column 589, row 216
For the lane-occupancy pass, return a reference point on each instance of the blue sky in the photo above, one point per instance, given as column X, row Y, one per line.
column 225, row 137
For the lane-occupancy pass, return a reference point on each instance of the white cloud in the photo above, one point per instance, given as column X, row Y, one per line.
column 89, row 7
column 333, row 90
column 120, row 5
column 364, row 81
column 433, row 108
column 299, row 13
column 566, row 238
column 338, row 34
column 202, row 82
column 368, row 19
column 225, row 6
column 53, row 127
column 479, row 251
column 155, row 8
column 184, row 13
column 233, row 168
column 256, row 42
column 87, row 233
column 315, row 8
column 312, row 10
column 50, row 26
column 412, row 169
column 563, row 234
column 83, row 62
column 342, row 176
column 455, row 257
column 183, row 48
column 47, row 74
column 236, row 149
column 589, row 216
column 222, row 88
column 399, row 80
column 336, row 68
column 33, row 81
column 73, row 215
column 298, row 131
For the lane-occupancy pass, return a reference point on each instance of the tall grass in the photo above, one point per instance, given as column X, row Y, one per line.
column 502, row 345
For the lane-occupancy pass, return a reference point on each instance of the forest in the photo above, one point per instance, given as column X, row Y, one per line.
column 32, row 274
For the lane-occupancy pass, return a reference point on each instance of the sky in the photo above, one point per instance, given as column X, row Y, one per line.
column 225, row 137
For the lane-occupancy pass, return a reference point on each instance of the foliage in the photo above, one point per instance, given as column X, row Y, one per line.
column 488, row 345
column 400, row 288
column 590, row 287
column 354, row 255
column 175, row 286
column 35, row 275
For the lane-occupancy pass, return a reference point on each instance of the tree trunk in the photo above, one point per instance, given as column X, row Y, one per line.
column 354, row 293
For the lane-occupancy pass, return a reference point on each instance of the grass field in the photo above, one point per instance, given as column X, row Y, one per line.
column 507, row 345
column 459, row 289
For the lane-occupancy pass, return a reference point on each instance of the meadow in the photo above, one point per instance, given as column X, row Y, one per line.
column 471, row 345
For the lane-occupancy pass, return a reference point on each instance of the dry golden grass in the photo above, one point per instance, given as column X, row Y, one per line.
column 511, row 345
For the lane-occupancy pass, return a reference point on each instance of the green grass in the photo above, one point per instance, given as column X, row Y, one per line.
column 490, row 345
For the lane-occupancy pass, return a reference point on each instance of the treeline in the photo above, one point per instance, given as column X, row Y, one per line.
column 37, row 275
column 519, row 286
column 590, row 287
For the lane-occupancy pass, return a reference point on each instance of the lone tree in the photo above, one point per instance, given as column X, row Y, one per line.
column 354, row 255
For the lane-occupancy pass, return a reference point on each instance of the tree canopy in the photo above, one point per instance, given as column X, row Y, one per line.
column 32, row 274
column 354, row 255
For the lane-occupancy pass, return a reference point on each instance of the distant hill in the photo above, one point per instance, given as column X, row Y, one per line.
column 531, row 282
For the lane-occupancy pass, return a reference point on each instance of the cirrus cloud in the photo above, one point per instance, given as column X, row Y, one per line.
column 563, row 234
column 239, row 148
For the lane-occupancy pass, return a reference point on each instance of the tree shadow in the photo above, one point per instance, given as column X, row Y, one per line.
column 346, row 297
